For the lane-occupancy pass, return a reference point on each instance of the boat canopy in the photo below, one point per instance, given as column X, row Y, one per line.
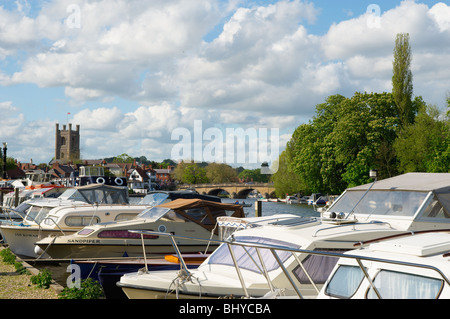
column 97, row 194
column 402, row 195
column 160, row 197
column 202, row 212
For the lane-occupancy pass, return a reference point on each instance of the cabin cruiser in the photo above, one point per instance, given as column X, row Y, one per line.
column 185, row 217
column 292, row 200
column 72, row 210
column 409, row 267
column 76, row 208
column 413, row 202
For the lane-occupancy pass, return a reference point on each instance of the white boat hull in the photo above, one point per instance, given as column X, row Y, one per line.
column 21, row 240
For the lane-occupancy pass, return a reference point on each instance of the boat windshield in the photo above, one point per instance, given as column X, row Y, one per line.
column 154, row 199
column 37, row 213
column 96, row 195
column 247, row 258
column 375, row 202
column 153, row 213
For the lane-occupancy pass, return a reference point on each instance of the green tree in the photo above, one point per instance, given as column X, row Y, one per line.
column 220, row 173
column 424, row 146
column 253, row 175
column 10, row 164
column 345, row 139
column 285, row 180
column 402, row 84
column 190, row 173
column 123, row 158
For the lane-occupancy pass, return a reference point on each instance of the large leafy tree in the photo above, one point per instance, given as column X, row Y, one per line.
column 220, row 173
column 285, row 180
column 190, row 173
column 424, row 146
column 345, row 139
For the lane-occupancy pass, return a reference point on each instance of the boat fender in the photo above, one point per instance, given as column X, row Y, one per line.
column 100, row 180
column 118, row 181
column 38, row 250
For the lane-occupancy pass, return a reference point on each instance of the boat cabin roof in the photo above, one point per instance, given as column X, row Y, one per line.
column 418, row 245
column 425, row 182
column 203, row 212
column 98, row 193
column 406, row 195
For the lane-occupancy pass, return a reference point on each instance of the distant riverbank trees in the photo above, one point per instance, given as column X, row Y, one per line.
column 189, row 172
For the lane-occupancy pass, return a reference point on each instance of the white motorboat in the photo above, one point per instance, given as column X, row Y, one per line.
column 184, row 217
column 408, row 203
column 71, row 211
column 411, row 267
column 292, row 200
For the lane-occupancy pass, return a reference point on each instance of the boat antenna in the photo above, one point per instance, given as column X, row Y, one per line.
column 373, row 173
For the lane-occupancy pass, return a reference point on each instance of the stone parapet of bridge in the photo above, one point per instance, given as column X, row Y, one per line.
column 235, row 190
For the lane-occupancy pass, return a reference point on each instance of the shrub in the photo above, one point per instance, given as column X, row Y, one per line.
column 89, row 289
column 43, row 279
column 7, row 256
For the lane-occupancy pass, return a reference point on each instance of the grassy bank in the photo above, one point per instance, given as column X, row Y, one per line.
column 18, row 285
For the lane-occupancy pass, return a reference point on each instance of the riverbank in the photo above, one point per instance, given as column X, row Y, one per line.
column 18, row 286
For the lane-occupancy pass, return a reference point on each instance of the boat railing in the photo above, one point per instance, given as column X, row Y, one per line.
column 295, row 252
column 350, row 223
column 7, row 212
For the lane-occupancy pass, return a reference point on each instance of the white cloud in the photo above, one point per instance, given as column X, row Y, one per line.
column 263, row 69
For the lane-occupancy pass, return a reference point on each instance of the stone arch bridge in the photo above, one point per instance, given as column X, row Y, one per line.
column 235, row 190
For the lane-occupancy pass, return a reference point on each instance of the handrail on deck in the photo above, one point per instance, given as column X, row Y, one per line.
column 294, row 251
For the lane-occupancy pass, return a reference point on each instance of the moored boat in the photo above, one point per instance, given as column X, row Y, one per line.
column 186, row 217
column 415, row 266
column 408, row 203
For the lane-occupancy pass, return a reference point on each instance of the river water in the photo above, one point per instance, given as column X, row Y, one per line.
column 272, row 208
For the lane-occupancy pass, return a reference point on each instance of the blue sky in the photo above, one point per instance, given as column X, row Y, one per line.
column 133, row 72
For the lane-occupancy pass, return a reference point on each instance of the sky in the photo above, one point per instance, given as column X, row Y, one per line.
column 178, row 79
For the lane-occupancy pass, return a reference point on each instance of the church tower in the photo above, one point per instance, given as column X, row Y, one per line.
column 67, row 144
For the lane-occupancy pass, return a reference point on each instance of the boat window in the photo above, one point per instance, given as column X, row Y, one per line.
column 247, row 257
column 435, row 210
column 317, row 266
column 199, row 214
column 123, row 234
column 218, row 212
column 37, row 213
column 345, row 281
column 113, row 197
column 42, row 214
column 22, row 209
column 153, row 213
column 154, row 199
column 82, row 220
column 73, row 194
column 399, row 285
column 85, row 231
column 125, row 216
column 399, row 203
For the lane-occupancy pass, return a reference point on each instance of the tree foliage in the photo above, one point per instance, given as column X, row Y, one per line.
column 253, row 175
column 424, row 146
column 285, row 180
column 123, row 158
column 345, row 139
column 402, row 85
column 220, row 173
column 190, row 173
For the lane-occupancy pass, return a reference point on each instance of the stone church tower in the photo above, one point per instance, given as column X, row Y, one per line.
column 67, row 144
